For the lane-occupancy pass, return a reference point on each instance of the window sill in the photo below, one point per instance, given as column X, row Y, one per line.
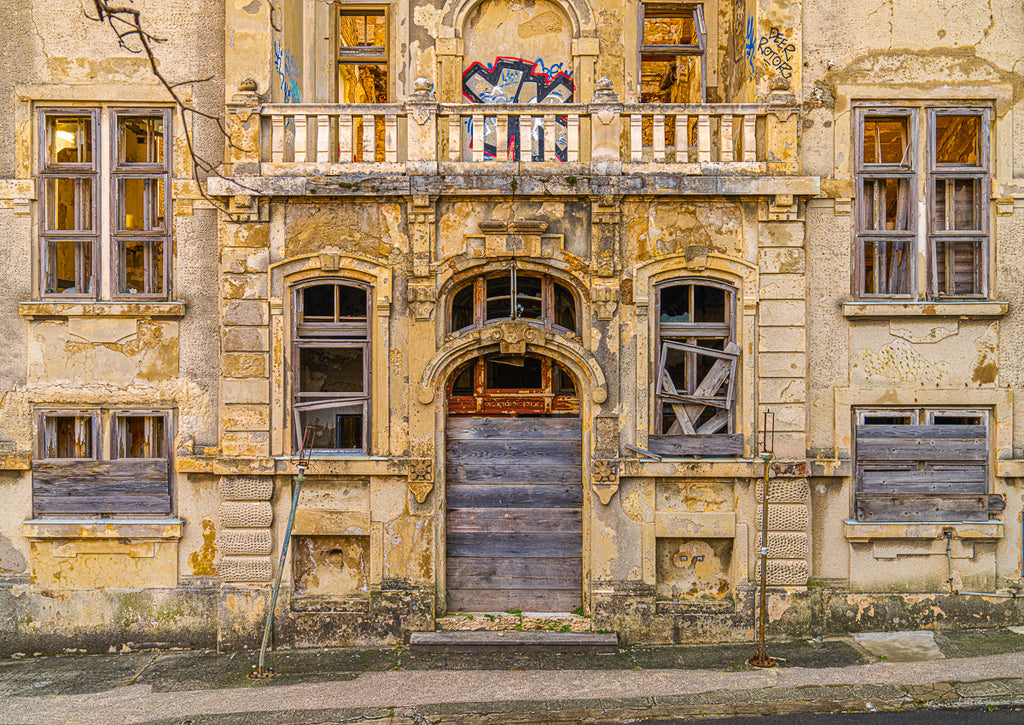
column 861, row 531
column 60, row 308
column 964, row 310
column 120, row 528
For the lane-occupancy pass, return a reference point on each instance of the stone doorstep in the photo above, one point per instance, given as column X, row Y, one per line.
column 508, row 622
column 483, row 641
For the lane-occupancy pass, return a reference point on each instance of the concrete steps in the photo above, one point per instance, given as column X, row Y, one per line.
column 483, row 641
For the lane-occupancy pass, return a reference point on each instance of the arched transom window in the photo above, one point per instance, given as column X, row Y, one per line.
column 513, row 295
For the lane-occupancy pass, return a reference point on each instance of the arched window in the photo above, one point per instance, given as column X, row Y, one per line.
column 696, row 370
column 331, row 364
column 513, row 295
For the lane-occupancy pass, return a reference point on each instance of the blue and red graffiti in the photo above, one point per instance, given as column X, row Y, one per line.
column 515, row 80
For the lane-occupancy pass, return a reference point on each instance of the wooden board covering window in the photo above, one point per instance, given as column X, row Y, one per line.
column 106, row 488
column 922, row 473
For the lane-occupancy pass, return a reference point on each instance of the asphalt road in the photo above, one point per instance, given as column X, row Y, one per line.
column 911, row 717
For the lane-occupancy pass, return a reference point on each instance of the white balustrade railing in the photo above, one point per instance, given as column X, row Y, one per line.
column 673, row 133
column 513, row 132
column 334, row 133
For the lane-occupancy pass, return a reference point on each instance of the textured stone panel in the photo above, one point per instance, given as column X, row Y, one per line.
column 785, row 517
column 787, row 546
column 246, row 488
column 246, row 569
column 784, row 490
column 245, row 514
column 245, row 542
column 783, row 572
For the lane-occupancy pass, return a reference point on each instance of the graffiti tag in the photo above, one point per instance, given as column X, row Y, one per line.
column 288, row 70
column 750, row 46
column 515, row 80
column 778, row 52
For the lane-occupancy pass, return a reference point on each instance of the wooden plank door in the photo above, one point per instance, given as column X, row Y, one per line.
column 514, row 514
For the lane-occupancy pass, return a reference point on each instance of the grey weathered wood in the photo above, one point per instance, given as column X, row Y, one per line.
column 482, row 641
column 922, row 449
column 523, row 520
column 920, row 431
column 922, row 507
column 466, row 428
column 533, row 474
column 519, row 545
column 509, row 573
column 483, row 496
column 501, row 600
column 724, row 444
column 966, row 480
column 123, row 486
column 537, row 452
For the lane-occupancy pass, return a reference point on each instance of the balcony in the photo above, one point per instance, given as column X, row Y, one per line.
column 706, row 148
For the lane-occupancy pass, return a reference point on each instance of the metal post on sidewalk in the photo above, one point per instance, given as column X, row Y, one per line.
column 305, row 450
column 762, row 658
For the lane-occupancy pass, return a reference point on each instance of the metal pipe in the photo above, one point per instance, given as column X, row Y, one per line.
column 958, row 592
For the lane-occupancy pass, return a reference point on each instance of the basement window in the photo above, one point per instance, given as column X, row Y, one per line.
column 695, row 370
column 923, row 464
column 330, row 364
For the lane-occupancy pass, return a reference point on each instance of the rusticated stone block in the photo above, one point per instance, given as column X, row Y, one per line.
column 245, row 515
column 787, row 545
column 246, row 569
column 784, row 573
column 784, row 491
column 786, row 517
column 245, row 542
column 246, row 488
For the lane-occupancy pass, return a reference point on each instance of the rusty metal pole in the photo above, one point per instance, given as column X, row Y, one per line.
column 305, row 450
column 762, row 658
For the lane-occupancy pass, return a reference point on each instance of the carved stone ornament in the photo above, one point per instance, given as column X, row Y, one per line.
column 513, row 335
column 421, row 478
column 604, row 298
column 421, row 300
column 605, row 479
column 421, row 101
column 604, row 92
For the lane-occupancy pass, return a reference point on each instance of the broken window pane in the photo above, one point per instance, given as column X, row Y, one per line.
column 528, row 297
column 463, row 383
column 141, row 140
column 140, row 436
column 67, row 436
column 679, row 30
column 957, row 140
column 671, row 80
column 318, row 303
column 499, row 296
column 68, row 267
column 69, row 204
column 141, row 204
column 462, row 307
column 956, row 204
column 561, row 381
column 887, row 267
column 362, row 29
column 335, row 427
column 330, row 369
column 675, row 304
column 565, row 308
column 958, row 267
column 351, row 302
column 70, row 139
column 709, row 304
column 141, row 266
column 886, row 204
column 886, row 141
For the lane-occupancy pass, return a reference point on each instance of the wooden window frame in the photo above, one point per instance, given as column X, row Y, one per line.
column 686, row 337
column 148, row 172
column 117, row 414
column 80, row 172
column 547, row 315
column 981, row 175
column 904, row 482
column 335, row 334
column 655, row 51
column 363, row 55
column 93, row 414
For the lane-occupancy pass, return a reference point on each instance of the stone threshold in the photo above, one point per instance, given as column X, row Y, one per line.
column 513, row 622
column 483, row 641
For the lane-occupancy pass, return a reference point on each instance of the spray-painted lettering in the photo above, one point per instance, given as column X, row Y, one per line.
column 777, row 52
column 750, row 46
column 288, row 70
column 514, row 80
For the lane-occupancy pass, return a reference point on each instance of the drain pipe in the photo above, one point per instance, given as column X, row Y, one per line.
column 948, row 533
column 305, row 450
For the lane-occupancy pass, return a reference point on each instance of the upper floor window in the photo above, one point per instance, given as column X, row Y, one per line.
column 102, row 462
column 673, row 40
column 331, row 364
column 949, row 170
column 696, row 370
column 363, row 54
column 923, row 464
column 513, row 295
column 78, row 168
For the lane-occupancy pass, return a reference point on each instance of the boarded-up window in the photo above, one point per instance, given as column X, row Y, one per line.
column 79, row 472
column 331, row 364
column 923, row 465
column 695, row 373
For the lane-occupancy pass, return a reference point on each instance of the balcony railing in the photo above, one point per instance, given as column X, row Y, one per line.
column 611, row 137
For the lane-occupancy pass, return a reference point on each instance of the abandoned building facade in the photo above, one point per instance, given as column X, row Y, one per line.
column 546, row 282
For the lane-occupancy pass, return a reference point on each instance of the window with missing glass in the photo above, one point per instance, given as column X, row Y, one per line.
column 79, row 166
column 673, row 40
column 513, row 295
column 362, row 33
column 331, row 364
column 939, row 155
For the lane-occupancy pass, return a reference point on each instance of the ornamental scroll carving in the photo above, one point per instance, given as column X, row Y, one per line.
column 605, row 479
column 421, row 478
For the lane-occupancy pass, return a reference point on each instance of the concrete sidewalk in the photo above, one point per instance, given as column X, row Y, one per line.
column 953, row 669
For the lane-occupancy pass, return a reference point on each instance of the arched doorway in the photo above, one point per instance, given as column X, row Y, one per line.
column 514, row 487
